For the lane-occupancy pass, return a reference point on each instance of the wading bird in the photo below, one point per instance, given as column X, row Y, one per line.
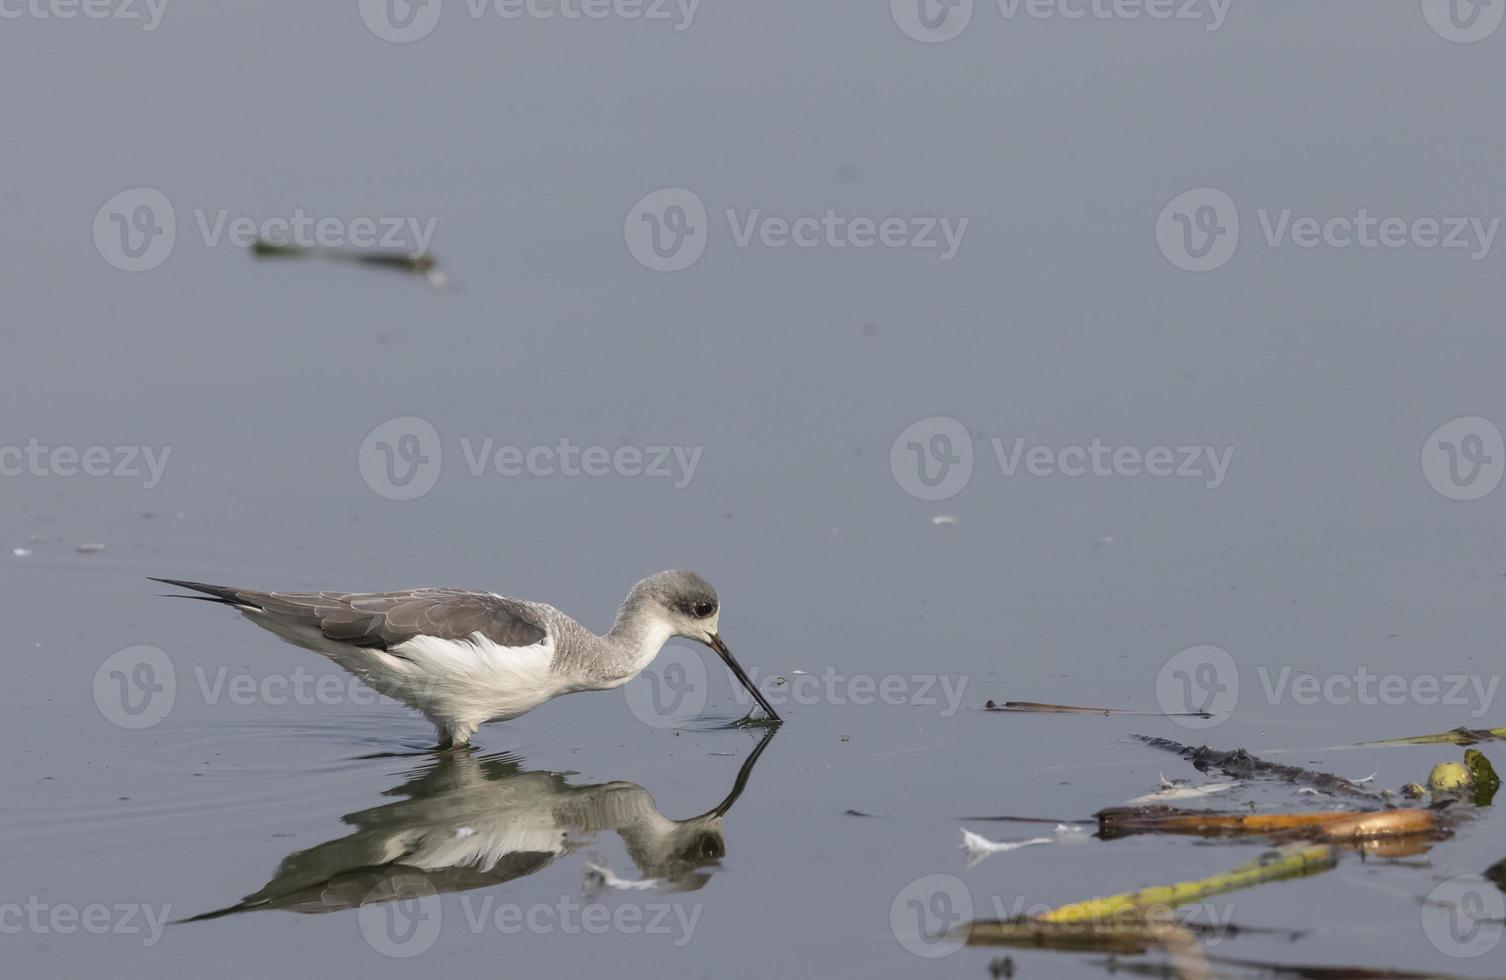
column 464, row 658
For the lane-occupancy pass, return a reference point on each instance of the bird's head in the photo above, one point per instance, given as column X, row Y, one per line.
column 687, row 605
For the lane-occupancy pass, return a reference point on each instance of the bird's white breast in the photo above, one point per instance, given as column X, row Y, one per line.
column 475, row 679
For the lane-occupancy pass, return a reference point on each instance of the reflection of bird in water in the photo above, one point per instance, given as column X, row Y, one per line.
column 469, row 823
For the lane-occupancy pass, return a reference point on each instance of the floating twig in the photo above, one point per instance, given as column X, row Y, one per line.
column 1329, row 825
column 1456, row 736
column 420, row 264
column 1040, row 707
column 1134, row 922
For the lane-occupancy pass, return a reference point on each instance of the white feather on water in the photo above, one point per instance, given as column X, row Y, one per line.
column 979, row 847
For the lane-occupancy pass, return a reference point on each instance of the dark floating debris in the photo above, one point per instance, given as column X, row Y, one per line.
column 1040, row 707
column 1497, row 873
column 1240, row 764
column 1131, row 924
column 1009, row 819
column 420, row 264
column 1304, row 972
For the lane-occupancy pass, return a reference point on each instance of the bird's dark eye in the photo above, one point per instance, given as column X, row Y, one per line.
column 703, row 609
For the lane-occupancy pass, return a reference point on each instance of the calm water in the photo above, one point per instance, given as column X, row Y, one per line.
column 785, row 376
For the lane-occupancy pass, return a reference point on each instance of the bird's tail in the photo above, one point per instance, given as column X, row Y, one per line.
column 217, row 913
column 223, row 594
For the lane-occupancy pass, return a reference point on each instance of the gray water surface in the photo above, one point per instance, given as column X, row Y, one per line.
column 789, row 375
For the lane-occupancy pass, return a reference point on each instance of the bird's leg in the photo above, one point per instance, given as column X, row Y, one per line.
column 453, row 737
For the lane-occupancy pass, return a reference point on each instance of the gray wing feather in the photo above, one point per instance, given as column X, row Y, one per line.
column 386, row 619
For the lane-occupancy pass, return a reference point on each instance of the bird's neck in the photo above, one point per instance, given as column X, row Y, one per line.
column 635, row 639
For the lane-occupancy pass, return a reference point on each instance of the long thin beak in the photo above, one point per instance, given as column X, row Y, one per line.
column 716, row 644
